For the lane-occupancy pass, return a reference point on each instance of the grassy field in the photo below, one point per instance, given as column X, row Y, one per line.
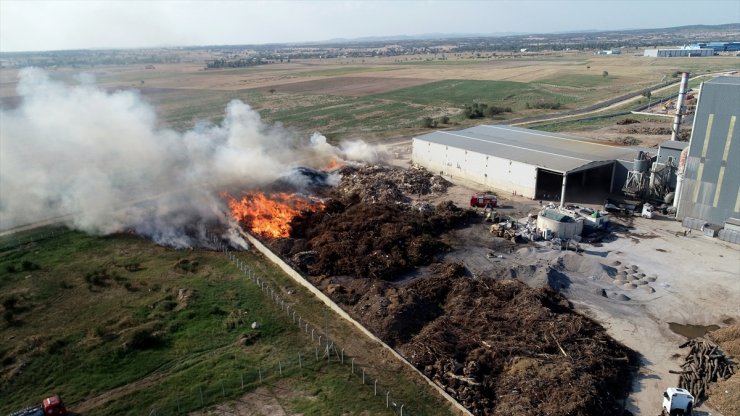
column 342, row 98
column 458, row 93
column 105, row 322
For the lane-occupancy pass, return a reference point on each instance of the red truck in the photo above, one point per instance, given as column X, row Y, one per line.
column 483, row 200
column 50, row 406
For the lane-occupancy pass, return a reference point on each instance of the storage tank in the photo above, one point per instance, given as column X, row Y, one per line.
column 561, row 225
column 641, row 164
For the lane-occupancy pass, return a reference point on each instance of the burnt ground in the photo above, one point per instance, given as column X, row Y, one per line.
column 495, row 344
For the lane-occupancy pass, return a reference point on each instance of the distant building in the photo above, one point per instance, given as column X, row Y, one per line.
column 716, row 46
column 710, row 189
column 678, row 53
column 609, row 52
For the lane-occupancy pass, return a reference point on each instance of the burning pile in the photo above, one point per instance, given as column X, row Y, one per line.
column 270, row 215
column 496, row 345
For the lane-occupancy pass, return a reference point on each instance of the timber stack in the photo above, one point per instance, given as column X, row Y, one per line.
column 705, row 363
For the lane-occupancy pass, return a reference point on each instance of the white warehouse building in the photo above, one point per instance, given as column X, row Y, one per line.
column 530, row 163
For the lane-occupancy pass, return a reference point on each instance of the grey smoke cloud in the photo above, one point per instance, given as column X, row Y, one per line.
column 101, row 158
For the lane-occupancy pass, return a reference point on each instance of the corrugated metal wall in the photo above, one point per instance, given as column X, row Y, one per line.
column 487, row 170
column 711, row 187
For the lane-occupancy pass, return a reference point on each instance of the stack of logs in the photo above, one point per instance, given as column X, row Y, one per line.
column 705, row 363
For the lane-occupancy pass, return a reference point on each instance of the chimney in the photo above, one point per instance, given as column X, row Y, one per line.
column 679, row 105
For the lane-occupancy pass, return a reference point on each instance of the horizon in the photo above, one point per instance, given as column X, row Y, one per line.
column 48, row 26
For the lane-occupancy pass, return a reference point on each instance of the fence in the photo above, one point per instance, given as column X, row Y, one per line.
column 12, row 241
column 321, row 351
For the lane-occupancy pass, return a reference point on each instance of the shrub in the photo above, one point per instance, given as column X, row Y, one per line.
column 142, row 339
column 29, row 266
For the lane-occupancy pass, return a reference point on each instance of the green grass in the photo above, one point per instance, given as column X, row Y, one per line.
column 73, row 335
column 579, row 81
column 458, row 93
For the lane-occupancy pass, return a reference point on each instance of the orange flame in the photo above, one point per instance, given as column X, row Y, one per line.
column 270, row 216
column 333, row 164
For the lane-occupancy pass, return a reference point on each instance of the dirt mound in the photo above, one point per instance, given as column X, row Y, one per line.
column 500, row 347
column 724, row 395
column 380, row 240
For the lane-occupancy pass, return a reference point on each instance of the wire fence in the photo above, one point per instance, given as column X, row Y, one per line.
column 12, row 240
column 321, row 351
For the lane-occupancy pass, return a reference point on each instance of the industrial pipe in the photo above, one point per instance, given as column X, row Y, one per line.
column 562, row 193
column 679, row 105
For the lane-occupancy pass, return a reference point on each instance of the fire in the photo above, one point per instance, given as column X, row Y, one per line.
column 270, row 215
column 333, row 164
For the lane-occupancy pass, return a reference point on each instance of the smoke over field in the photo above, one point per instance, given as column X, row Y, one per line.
column 102, row 160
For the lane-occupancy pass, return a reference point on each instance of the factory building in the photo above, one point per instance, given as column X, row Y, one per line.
column 669, row 153
column 678, row 53
column 716, row 46
column 709, row 186
column 530, row 163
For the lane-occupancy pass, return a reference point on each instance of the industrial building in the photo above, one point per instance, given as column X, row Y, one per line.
column 678, row 53
column 716, row 46
column 669, row 153
column 534, row 164
column 708, row 191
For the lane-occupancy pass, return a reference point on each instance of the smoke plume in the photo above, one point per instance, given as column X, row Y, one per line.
column 100, row 161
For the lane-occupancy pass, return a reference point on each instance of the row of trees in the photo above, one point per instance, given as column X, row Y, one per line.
column 480, row 110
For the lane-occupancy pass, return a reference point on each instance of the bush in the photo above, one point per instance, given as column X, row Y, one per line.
column 10, row 302
column 10, row 268
column 545, row 105
column 8, row 316
column 444, row 120
column 428, row 122
column 142, row 339
column 29, row 266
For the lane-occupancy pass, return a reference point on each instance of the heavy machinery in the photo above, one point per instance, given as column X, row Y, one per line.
column 50, row 406
column 483, row 200
column 677, row 401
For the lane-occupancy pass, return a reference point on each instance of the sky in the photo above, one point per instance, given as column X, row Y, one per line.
column 34, row 25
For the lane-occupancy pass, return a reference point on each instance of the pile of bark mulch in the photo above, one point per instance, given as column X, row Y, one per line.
column 500, row 347
column 365, row 240
column 496, row 345
column 387, row 185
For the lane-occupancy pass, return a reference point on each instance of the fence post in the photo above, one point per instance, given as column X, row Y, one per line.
column 353, row 366
column 363, row 376
column 317, row 353
column 342, row 355
column 300, row 365
column 241, row 376
column 401, row 409
column 387, row 399
column 200, row 389
column 280, row 368
column 223, row 390
column 375, row 390
column 260, row 372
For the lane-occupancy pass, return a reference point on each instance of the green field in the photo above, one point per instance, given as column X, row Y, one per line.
column 458, row 93
column 580, row 81
column 88, row 316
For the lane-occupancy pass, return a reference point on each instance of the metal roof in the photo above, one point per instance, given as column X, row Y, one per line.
column 724, row 80
column 673, row 144
column 552, row 151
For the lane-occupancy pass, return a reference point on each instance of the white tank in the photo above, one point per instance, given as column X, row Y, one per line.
column 561, row 225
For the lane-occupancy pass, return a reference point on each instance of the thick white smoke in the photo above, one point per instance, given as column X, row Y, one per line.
column 99, row 160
